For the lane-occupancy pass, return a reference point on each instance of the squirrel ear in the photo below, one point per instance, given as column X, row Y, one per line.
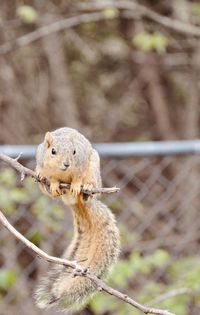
column 48, row 139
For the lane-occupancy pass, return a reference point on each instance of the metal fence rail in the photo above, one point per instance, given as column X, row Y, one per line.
column 126, row 149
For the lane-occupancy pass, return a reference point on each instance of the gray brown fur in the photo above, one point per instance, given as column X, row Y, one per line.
column 95, row 245
column 96, row 239
column 74, row 150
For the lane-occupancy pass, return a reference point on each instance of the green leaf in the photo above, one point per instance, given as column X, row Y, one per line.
column 18, row 195
column 7, row 278
column 36, row 237
column 143, row 42
column 7, row 204
column 8, row 177
column 127, row 237
column 160, row 258
column 148, row 42
column 48, row 212
column 111, row 13
column 178, row 305
column 151, row 290
column 41, row 208
column 57, row 212
column 196, row 11
column 159, row 42
column 30, row 186
column 27, row 14
column 100, row 303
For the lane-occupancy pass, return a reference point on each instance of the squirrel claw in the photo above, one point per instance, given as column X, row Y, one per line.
column 55, row 189
column 41, row 178
column 88, row 186
column 75, row 189
column 42, row 183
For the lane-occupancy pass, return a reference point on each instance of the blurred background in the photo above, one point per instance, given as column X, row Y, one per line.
column 118, row 71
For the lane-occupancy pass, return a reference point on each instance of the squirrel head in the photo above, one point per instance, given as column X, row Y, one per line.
column 59, row 152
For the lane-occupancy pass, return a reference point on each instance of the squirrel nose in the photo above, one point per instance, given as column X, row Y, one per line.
column 66, row 165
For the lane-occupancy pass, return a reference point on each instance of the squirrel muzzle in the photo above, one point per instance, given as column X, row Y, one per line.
column 65, row 166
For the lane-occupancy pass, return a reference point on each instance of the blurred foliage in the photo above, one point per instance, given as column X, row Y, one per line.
column 27, row 14
column 128, row 273
column 125, row 77
column 111, row 13
column 50, row 215
column 149, row 42
column 180, row 274
column 7, row 279
column 82, row 75
column 16, row 195
column 15, row 198
column 196, row 11
column 28, row 194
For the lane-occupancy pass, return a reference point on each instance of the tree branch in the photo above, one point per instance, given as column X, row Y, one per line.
column 28, row 172
column 51, row 28
column 133, row 11
column 79, row 271
column 171, row 294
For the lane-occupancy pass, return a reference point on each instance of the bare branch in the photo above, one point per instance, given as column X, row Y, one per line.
column 171, row 294
column 19, row 167
column 78, row 270
column 140, row 10
column 27, row 172
column 51, row 28
column 133, row 11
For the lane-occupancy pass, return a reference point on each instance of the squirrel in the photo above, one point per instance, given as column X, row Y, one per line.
column 67, row 156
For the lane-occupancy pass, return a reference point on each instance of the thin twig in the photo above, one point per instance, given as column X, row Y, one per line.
column 135, row 10
column 138, row 10
column 171, row 294
column 19, row 167
column 51, row 28
column 28, row 172
column 81, row 272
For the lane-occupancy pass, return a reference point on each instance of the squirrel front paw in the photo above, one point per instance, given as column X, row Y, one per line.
column 75, row 189
column 55, row 189
column 43, row 184
column 88, row 186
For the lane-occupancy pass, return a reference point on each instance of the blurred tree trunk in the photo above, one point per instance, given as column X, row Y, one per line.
column 156, row 96
column 181, row 9
column 63, row 108
column 13, row 114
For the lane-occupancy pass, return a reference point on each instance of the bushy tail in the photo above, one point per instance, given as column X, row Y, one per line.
column 95, row 245
column 60, row 288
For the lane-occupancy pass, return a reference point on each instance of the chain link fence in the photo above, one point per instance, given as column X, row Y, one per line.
column 157, row 210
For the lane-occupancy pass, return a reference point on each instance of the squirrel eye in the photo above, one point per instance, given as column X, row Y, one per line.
column 53, row 151
column 74, row 152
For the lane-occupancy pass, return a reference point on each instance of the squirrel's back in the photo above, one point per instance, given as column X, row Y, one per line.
column 62, row 133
